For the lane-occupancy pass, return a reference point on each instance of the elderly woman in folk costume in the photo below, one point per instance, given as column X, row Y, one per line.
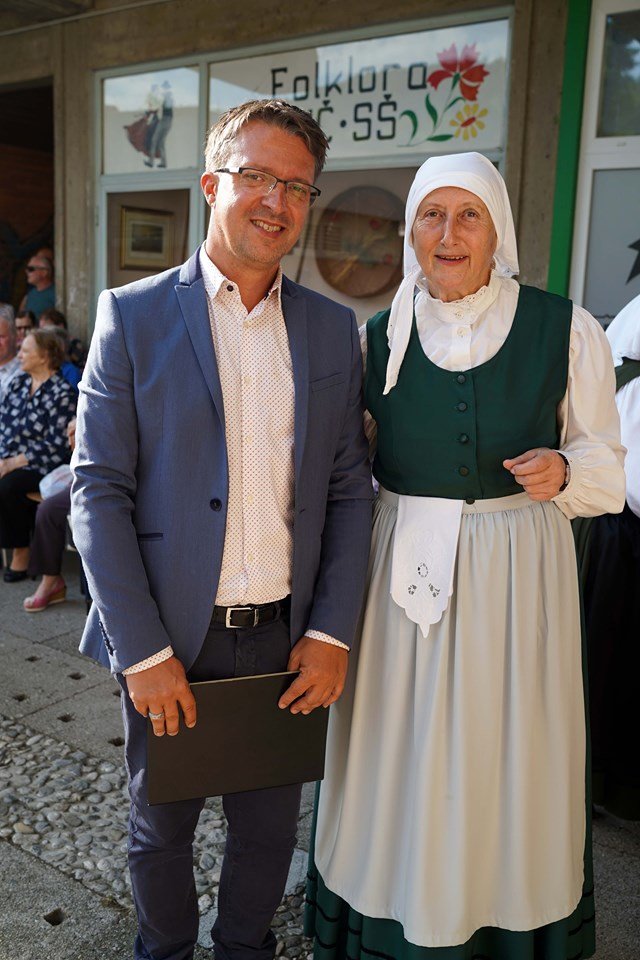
column 453, row 823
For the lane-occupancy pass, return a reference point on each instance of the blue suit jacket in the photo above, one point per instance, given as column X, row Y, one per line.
column 150, row 484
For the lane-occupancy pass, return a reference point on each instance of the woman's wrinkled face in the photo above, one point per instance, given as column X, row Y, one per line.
column 32, row 358
column 454, row 240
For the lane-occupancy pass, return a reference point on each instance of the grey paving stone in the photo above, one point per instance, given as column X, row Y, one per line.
column 34, row 676
column 304, row 830
column 91, row 927
column 617, row 884
column 54, row 621
column 68, row 643
column 31, row 890
column 93, row 719
column 11, row 642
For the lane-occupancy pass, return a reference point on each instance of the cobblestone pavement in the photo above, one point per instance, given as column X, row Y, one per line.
column 63, row 806
column 70, row 810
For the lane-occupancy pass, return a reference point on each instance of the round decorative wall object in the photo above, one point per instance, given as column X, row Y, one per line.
column 358, row 243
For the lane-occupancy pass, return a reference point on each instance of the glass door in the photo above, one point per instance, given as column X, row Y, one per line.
column 606, row 250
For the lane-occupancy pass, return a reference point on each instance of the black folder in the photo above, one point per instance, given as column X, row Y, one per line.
column 242, row 740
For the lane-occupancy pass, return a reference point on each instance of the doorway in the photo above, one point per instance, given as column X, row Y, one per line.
column 26, row 182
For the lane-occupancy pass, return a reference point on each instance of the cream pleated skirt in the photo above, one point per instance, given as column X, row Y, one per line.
column 454, row 793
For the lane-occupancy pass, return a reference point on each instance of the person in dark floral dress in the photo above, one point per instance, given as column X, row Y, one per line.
column 33, row 440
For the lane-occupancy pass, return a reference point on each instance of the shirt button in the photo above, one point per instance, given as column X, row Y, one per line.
column 250, row 499
column 463, row 471
column 215, row 504
column 250, row 557
column 230, row 287
column 470, row 501
column 462, row 332
column 461, row 378
column 463, row 438
column 462, row 406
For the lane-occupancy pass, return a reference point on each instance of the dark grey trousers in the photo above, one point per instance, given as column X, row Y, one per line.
column 260, row 837
column 49, row 536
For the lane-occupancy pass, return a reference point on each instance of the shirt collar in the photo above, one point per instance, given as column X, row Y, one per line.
column 464, row 311
column 214, row 279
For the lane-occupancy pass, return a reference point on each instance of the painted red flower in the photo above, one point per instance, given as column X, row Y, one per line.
column 465, row 69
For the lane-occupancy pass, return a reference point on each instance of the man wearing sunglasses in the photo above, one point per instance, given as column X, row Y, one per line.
column 42, row 291
column 222, row 508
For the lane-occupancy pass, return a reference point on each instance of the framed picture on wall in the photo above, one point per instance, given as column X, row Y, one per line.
column 147, row 239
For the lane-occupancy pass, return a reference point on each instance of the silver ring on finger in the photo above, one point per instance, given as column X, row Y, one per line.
column 156, row 716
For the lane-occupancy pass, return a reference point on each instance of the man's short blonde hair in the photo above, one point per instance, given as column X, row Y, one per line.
column 278, row 113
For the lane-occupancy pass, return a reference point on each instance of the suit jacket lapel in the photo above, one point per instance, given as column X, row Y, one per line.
column 294, row 308
column 192, row 299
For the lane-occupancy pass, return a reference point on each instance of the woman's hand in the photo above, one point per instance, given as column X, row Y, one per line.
column 10, row 464
column 71, row 433
column 540, row 472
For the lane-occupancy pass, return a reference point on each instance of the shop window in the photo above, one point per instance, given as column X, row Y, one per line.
column 613, row 258
column 619, row 109
column 605, row 270
column 150, row 121
column 386, row 104
column 147, row 232
column 390, row 99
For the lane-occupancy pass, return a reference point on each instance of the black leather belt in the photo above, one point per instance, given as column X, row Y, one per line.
column 242, row 618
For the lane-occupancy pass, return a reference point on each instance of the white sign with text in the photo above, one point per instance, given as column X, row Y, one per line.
column 398, row 98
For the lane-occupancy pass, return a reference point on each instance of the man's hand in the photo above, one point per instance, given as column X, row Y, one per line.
column 540, row 472
column 161, row 689
column 323, row 669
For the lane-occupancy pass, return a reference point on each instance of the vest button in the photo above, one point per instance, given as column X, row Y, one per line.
column 469, row 501
column 463, row 471
column 215, row 504
column 463, row 438
column 462, row 406
column 461, row 378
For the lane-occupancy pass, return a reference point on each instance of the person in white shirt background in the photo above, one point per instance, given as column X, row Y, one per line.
column 612, row 599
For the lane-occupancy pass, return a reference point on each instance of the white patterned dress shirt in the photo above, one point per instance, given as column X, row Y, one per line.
column 7, row 372
column 256, row 376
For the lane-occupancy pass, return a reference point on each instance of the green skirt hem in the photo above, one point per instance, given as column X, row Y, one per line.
column 341, row 933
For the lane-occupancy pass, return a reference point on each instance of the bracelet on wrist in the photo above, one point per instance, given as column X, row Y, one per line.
column 567, row 472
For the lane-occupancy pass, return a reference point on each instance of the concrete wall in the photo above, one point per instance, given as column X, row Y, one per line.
column 71, row 51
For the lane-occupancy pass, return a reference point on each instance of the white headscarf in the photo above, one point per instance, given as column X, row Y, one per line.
column 472, row 172
column 623, row 333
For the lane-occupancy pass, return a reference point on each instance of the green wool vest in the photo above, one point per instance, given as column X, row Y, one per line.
column 445, row 434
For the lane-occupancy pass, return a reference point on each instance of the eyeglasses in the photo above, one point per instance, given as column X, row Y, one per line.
column 264, row 183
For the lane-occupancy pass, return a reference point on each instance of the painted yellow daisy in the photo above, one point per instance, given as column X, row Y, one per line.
column 469, row 120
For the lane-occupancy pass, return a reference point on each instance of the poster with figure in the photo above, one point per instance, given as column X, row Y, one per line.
column 392, row 100
column 150, row 121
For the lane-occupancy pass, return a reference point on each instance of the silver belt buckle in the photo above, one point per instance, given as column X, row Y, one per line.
column 230, row 610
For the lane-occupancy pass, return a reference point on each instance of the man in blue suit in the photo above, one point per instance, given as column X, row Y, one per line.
column 222, row 509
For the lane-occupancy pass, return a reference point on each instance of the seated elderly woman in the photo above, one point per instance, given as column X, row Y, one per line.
column 453, row 819
column 33, row 440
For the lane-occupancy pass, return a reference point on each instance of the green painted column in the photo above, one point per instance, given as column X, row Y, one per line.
column 564, row 203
